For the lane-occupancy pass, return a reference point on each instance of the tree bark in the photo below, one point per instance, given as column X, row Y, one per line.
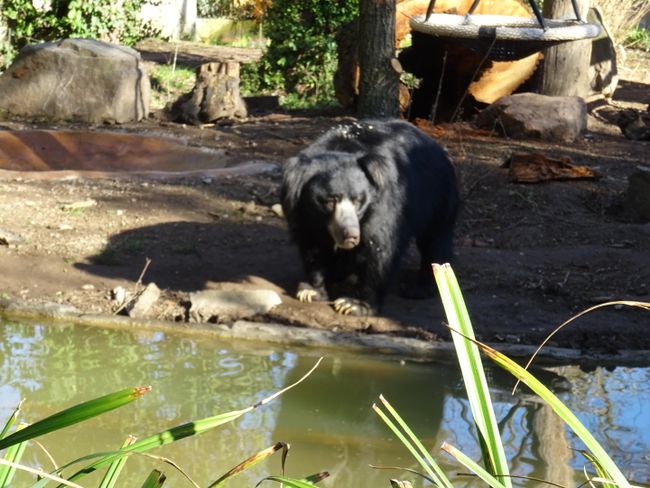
column 379, row 81
column 188, row 19
column 565, row 69
column 215, row 95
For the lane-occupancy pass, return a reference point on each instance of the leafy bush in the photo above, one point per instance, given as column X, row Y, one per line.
column 301, row 56
column 99, row 19
column 231, row 9
column 639, row 38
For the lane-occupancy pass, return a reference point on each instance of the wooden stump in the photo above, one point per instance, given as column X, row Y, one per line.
column 215, row 95
column 565, row 69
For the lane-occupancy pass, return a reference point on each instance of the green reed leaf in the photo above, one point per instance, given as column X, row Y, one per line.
column 75, row 414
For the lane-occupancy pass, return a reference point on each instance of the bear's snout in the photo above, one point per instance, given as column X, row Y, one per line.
column 344, row 225
column 349, row 242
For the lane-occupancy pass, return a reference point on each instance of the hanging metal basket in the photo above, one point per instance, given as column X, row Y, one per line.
column 507, row 38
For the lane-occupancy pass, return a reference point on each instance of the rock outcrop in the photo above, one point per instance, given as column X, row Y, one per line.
column 80, row 80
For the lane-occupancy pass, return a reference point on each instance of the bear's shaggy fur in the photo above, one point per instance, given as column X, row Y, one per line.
column 354, row 199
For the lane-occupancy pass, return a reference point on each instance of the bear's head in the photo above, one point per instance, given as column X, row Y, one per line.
column 333, row 190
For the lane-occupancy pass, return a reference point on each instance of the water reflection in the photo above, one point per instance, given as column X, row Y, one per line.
column 327, row 419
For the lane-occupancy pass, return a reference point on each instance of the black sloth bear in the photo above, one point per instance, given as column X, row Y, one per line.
column 354, row 199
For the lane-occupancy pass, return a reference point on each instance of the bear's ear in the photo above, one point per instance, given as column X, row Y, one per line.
column 291, row 185
column 375, row 169
column 296, row 173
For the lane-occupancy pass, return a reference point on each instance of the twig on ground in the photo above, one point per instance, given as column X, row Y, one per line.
column 137, row 289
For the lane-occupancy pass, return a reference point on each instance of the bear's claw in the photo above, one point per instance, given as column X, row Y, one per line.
column 307, row 295
column 351, row 306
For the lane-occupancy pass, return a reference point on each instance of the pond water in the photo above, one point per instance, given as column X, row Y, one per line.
column 327, row 419
column 47, row 150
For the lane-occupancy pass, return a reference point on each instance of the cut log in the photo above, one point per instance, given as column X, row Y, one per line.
column 565, row 70
column 194, row 53
column 215, row 96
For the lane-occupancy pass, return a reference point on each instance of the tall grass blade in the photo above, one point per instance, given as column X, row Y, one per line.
column 155, row 480
column 599, row 470
column 473, row 373
column 172, row 464
column 115, row 468
column 600, row 455
column 75, row 414
column 46, row 477
column 180, row 432
column 402, row 468
column 13, row 455
column 421, row 461
column 413, row 444
column 400, row 484
column 160, row 439
column 307, row 482
column 251, row 461
column 472, row 466
column 629, row 303
column 11, row 421
column 603, row 481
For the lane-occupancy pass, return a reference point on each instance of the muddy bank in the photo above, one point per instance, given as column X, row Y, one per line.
column 528, row 256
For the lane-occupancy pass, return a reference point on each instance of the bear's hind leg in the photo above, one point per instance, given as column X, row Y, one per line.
column 435, row 247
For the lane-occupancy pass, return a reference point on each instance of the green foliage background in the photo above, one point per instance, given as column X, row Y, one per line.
column 231, row 9
column 301, row 56
column 99, row 19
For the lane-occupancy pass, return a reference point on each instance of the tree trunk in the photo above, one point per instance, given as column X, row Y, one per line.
column 379, row 82
column 565, row 69
column 188, row 19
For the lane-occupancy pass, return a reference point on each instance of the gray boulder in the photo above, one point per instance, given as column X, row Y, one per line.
column 142, row 306
column 76, row 79
column 228, row 305
column 533, row 116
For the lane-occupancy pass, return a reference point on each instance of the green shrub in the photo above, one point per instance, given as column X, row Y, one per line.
column 99, row 19
column 301, row 57
column 232, row 9
column 639, row 38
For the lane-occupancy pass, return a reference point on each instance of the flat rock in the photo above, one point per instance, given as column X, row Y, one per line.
column 227, row 305
column 533, row 116
column 80, row 80
column 48, row 309
column 9, row 238
column 141, row 307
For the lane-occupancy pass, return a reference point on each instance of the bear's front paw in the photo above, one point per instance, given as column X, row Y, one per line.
column 352, row 306
column 307, row 294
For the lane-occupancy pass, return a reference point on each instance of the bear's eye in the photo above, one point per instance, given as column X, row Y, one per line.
column 357, row 202
column 329, row 203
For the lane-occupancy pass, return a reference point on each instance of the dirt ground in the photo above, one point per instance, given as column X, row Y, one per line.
column 529, row 256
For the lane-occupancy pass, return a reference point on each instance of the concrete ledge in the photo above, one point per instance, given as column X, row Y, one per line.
column 350, row 342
